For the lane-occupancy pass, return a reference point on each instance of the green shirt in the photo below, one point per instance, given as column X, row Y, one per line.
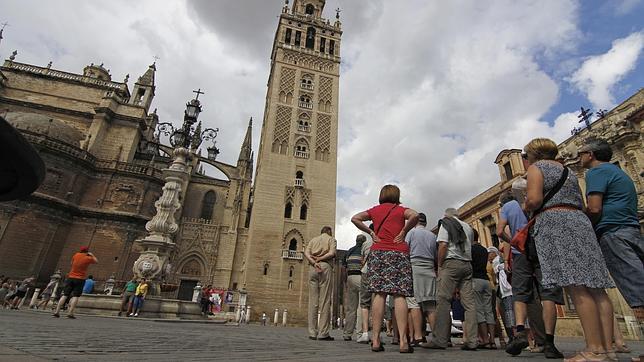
column 130, row 286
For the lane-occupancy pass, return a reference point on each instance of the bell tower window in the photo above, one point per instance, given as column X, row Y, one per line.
column 288, row 210
column 322, row 45
column 287, row 36
column 310, row 38
column 332, row 47
column 508, row 171
column 298, row 37
column 309, row 9
column 292, row 245
column 303, row 212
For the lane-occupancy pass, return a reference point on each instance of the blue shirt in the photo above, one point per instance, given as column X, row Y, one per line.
column 618, row 194
column 515, row 217
column 89, row 286
column 422, row 243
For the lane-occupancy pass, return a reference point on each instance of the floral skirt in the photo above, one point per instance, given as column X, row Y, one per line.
column 389, row 272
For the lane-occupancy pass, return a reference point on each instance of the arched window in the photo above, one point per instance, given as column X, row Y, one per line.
column 292, row 245
column 303, row 211
column 299, row 174
column 208, row 205
column 310, row 9
column 288, row 210
column 310, row 37
column 290, row 272
column 287, row 36
column 266, row 269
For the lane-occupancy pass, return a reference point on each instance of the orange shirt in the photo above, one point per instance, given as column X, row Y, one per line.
column 80, row 263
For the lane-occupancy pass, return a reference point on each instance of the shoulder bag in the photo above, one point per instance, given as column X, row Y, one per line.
column 521, row 237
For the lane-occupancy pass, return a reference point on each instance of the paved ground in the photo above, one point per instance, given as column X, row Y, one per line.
column 36, row 336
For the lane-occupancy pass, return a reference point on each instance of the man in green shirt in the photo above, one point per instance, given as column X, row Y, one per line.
column 128, row 296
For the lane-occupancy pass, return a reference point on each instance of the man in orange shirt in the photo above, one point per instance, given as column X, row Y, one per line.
column 76, row 280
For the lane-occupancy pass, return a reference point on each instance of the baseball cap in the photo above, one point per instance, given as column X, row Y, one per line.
column 84, row 249
column 422, row 218
column 594, row 145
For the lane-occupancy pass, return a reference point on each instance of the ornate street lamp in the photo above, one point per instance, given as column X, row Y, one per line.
column 187, row 136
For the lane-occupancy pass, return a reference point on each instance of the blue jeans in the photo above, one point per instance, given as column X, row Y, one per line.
column 138, row 304
column 623, row 251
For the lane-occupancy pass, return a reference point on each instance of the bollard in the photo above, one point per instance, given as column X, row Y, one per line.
column 247, row 314
column 284, row 316
column 108, row 289
column 276, row 317
column 238, row 312
column 34, row 298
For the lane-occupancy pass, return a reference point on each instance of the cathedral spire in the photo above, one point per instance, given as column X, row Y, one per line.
column 246, row 150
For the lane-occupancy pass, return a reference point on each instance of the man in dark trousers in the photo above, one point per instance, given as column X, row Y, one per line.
column 76, row 280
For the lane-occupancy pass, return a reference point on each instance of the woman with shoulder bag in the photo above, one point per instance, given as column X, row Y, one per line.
column 389, row 269
column 567, row 248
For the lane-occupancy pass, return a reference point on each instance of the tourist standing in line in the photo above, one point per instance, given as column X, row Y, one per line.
column 365, row 295
column 567, row 248
column 319, row 252
column 422, row 252
column 454, row 271
column 483, row 294
column 531, row 301
column 353, row 264
column 139, row 297
column 612, row 208
column 127, row 298
column 88, row 287
column 389, row 264
column 45, row 296
column 75, row 280
column 504, row 290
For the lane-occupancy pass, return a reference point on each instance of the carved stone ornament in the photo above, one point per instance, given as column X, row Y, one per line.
column 147, row 266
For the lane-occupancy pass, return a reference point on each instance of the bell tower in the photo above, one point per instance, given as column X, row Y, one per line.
column 295, row 186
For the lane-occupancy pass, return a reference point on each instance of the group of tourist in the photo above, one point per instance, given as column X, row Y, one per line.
column 549, row 241
column 210, row 300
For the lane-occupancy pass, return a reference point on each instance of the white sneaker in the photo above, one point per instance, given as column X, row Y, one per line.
column 364, row 338
column 136, row 315
column 131, row 314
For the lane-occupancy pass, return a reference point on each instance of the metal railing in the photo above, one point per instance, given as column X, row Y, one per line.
column 292, row 254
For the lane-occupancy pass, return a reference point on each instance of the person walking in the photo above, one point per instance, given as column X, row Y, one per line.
column 127, row 298
column 352, row 264
column 567, row 248
column 612, row 208
column 389, row 269
column 504, row 291
column 319, row 252
column 454, row 271
column 422, row 252
column 45, row 296
column 21, row 291
column 75, row 281
column 140, row 294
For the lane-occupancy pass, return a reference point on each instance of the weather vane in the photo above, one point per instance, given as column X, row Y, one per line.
column 337, row 13
column 155, row 59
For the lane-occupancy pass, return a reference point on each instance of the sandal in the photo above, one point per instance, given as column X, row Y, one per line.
column 377, row 349
column 490, row 345
column 622, row 349
column 587, row 357
column 409, row 349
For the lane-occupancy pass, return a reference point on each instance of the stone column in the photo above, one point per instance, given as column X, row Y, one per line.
column 109, row 285
column 284, row 317
column 159, row 244
column 34, row 298
column 55, row 277
column 276, row 316
column 195, row 292
column 247, row 314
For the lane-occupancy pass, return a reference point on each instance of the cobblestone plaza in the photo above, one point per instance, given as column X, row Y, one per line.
column 35, row 336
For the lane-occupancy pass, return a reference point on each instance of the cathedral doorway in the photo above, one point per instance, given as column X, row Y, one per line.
column 186, row 289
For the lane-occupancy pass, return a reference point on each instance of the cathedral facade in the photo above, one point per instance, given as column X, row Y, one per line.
column 101, row 144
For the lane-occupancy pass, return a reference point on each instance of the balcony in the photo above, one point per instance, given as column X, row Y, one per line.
column 303, row 128
column 307, row 105
column 292, row 254
column 306, row 86
column 301, row 154
column 299, row 182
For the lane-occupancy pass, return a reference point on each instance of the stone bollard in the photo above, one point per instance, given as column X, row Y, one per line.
column 34, row 298
column 238, row 312
column 247, row 314
column 195, row 292
column 276, row 317
column 284, row 316
column 109, row 285
column 55, row 277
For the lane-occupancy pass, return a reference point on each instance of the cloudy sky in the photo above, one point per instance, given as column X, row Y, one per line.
column 430, row 91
